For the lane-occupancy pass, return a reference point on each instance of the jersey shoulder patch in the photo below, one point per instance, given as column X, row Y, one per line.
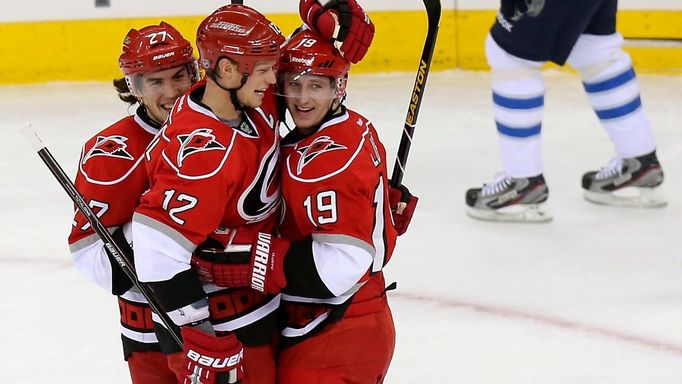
column 330, row 151
column 111, row 155
column 198, row 145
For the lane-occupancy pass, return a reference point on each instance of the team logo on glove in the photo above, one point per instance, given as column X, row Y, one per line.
column 212, row 362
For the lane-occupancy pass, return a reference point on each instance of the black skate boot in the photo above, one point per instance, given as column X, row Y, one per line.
column 509, row 199
column 631, row 182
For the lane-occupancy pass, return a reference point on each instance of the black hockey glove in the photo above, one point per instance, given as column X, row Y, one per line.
column 513, row 9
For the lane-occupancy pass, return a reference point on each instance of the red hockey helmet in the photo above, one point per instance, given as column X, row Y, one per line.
column 308, row 53
column 154, row 48
column 239, row 33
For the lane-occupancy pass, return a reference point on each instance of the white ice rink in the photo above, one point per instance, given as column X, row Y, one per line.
column 593, row 297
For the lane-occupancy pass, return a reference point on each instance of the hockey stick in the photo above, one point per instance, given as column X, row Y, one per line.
column 109, row 243
column 433, row 13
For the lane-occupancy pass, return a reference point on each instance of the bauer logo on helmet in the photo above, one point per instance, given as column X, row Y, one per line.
column 163, row 55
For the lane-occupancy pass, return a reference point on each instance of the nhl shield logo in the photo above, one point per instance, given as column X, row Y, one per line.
column 112, row 146
column 198, row 141
column 319, row 146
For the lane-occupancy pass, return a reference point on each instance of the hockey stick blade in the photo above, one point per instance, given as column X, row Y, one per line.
column 123, row 260
column 433, row 15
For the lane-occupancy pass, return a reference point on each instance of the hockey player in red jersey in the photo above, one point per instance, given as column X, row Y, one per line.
column 159, row 66
column 214, row 182
column 338, row 227
column 340, row 224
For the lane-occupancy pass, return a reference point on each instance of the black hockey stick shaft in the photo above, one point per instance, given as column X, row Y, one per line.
column 433, row 14
column 109, row 243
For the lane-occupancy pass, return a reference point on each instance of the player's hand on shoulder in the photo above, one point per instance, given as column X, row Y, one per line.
column 402, row 204
column 211, row 359
column 343, row 21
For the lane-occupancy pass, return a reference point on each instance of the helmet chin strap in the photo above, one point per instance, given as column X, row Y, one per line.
column 238, row 105
column 331, row 111
column 147, row 117
column 233, row 94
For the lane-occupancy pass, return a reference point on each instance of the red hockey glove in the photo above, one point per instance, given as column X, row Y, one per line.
column 210, row 359
column 267, row 263
column 225, row 267
column 343, row 21
column 402, row 205
column 259, row 266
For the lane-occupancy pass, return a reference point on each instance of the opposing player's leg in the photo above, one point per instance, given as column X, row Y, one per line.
column 633, row 176
column 518, row 103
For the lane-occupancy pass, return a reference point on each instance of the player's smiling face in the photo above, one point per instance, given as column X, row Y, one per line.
column 263, row 76
column 159, row 90
column 308, row 98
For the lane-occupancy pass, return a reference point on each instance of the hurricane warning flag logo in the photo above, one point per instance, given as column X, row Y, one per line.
column 198, row 141
column 319, row 146
column 112, row 146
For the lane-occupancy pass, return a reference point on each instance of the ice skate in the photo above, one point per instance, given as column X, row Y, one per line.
column 509, row 199
column 631, row 182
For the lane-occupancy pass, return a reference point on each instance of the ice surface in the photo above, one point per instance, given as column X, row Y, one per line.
column 593, row 297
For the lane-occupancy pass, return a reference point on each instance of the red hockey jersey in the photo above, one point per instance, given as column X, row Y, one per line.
column 111, row 176
column 207, row 178
column 335, row 190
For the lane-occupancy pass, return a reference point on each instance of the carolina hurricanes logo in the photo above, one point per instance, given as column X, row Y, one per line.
column 319, row 146
column 262, row 197
column 112, row 146
column 199, row 140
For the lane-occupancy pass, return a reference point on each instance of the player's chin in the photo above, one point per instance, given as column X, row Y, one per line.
column 256, row 99
column 303, row 119
column 165, row 107
column 165, row 111
column 159, row 112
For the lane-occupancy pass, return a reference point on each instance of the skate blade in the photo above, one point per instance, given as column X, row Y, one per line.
column 628, row 197
column 519, row 213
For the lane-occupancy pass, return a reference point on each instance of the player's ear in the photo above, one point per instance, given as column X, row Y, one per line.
column 227, row 67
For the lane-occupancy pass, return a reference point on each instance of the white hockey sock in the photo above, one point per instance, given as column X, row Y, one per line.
column 611, row 85
column 518, row 103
